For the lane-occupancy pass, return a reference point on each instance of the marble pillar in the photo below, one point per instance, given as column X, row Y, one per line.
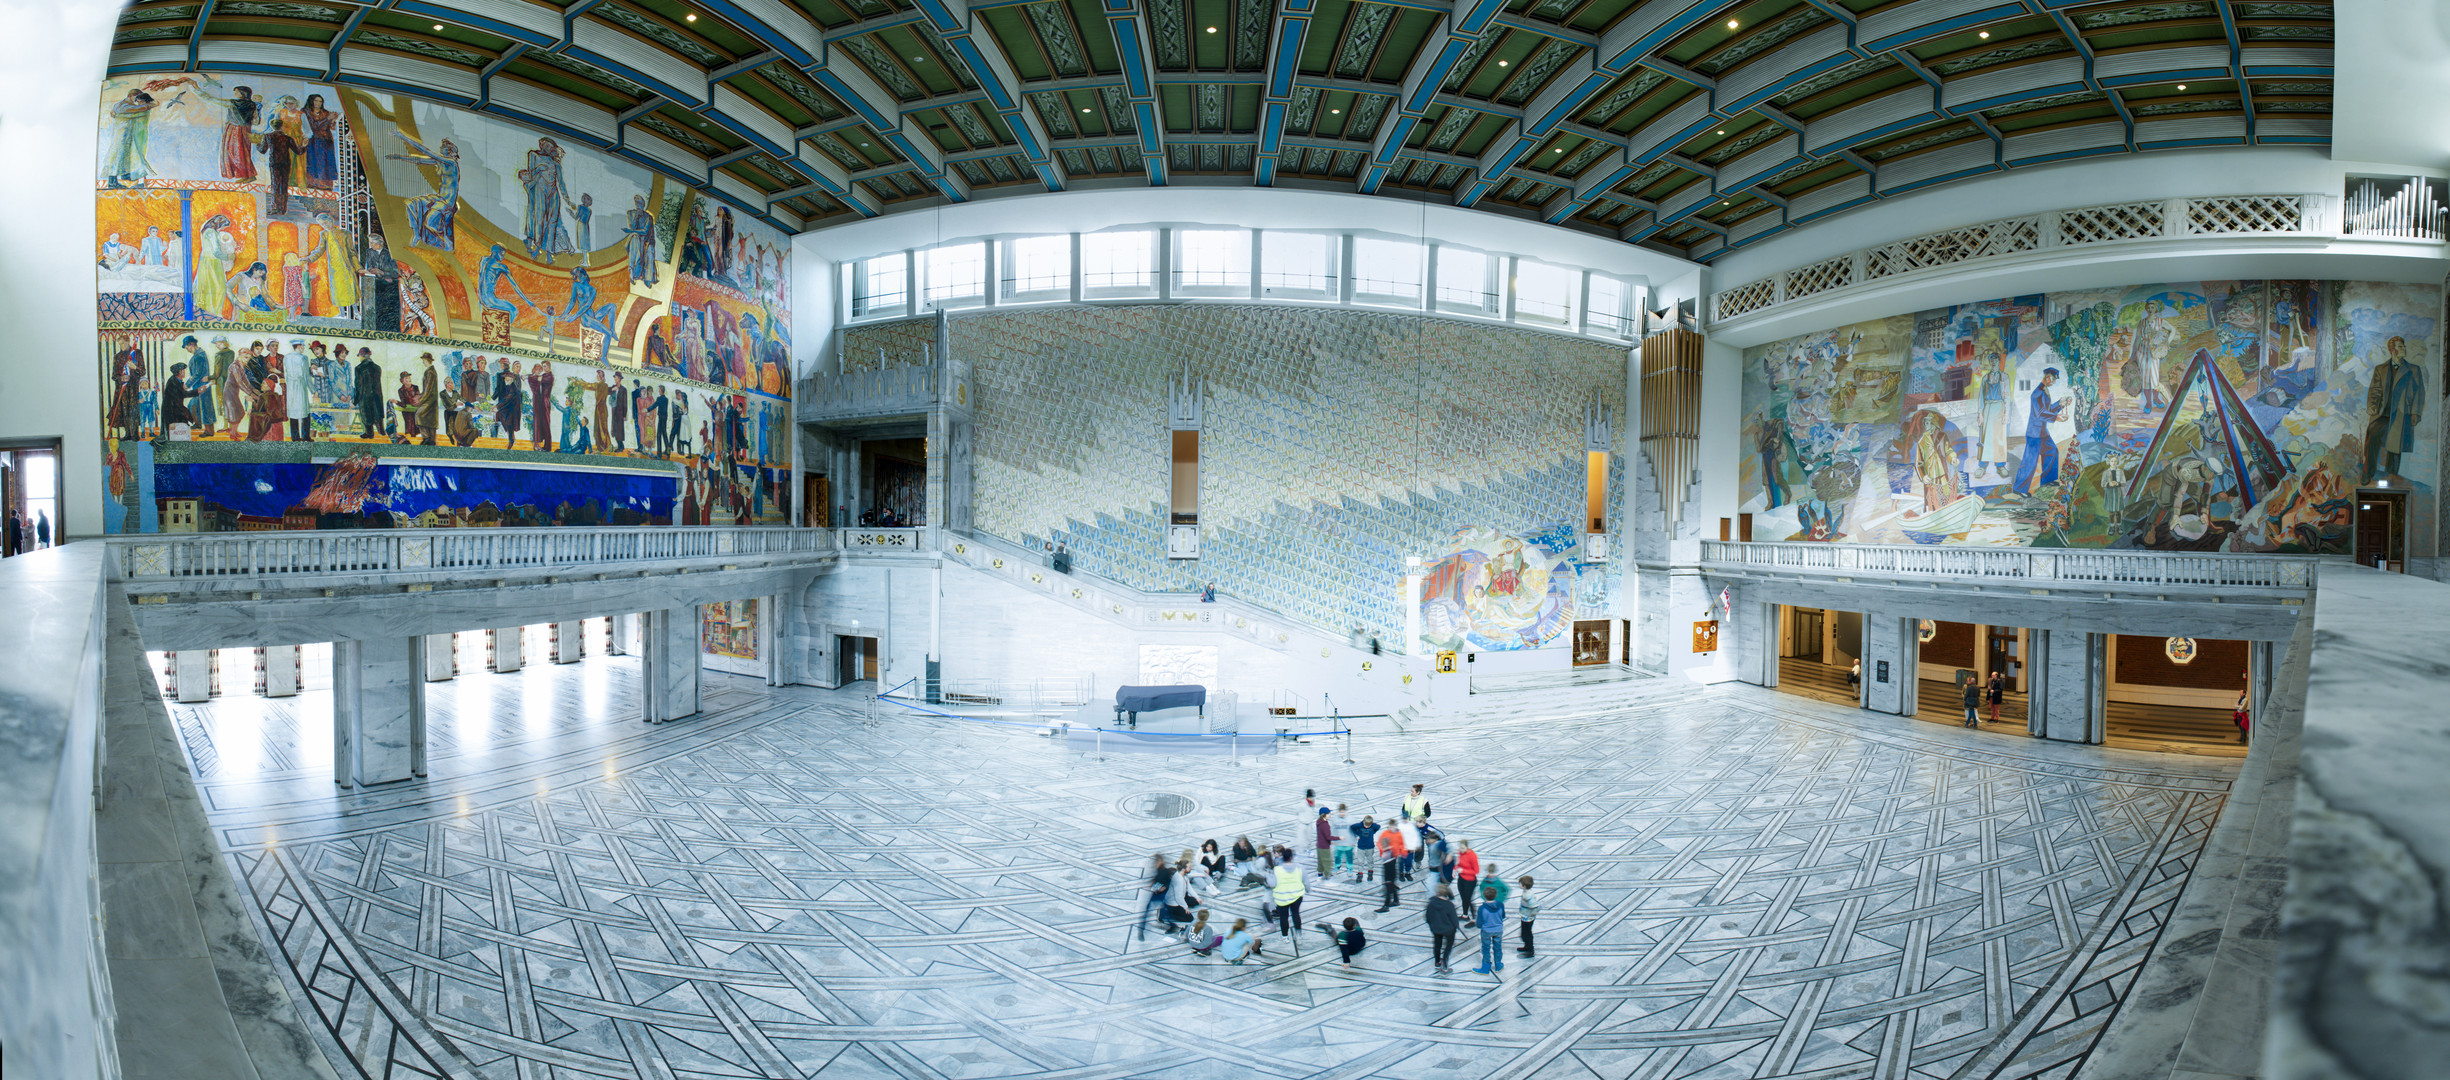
column 622, row 638
column 669, row 646
column 441, row 657
column 2070, row 675
column 378, row 710
column 1891, row 653
column 192, row 670
column 569, row 641
column 509, row 648
column 280, row 671
column 1751, row 635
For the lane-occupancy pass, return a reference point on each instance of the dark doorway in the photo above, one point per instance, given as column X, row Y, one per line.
column 2381, row 529
column 819, row 502
column 857, row 659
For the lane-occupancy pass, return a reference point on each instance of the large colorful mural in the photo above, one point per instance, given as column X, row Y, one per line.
column 1493, row 590
column 2235, row 416
column 1335, row 445
column 328, row 308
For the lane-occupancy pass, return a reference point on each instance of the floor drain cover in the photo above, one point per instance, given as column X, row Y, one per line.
column 1159, row 804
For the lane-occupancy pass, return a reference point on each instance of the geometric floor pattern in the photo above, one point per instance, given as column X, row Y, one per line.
column 1738, row 884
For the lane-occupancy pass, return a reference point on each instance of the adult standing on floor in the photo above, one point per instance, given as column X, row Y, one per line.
column 1997, row 689
column 1365, row 837
column 1416, row 805
column 1324, row 833
column 1287, row 889
column 1973, row 702
column 1443, row 922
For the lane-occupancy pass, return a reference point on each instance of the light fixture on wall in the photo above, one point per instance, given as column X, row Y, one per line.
column 438, row 28
column 1732, row 24
column 692, row 16
column 1986, row 35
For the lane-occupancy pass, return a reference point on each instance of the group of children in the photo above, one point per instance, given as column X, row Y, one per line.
column 1405, row 848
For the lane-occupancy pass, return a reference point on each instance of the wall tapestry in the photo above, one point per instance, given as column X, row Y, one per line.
column 315, row 296
column 2235, row 416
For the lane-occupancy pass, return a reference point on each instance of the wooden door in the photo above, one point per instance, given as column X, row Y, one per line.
column 819, row 502
column 2378, row 529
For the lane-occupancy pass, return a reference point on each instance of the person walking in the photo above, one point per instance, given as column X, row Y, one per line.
column 1491, row 922
column 1160, row 878
column 1997, row 690
column 1390, row 864
column 1467, row 872
column 42, row 529
column 1325, row 833
column 1443, row 922
column 1365, row 835
column 1526, row 910
column 1287, row 892
column 1973, row 702
column 1411, row 830
column 1344, row 840
column 1434, row 854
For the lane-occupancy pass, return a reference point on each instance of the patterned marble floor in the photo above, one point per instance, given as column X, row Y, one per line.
column 1735, row 883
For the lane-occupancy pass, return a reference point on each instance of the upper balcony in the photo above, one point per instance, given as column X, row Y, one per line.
column 2369, row 233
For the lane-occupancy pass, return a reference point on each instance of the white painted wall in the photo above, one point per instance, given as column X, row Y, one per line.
column 51, row 63
column 2392, row 71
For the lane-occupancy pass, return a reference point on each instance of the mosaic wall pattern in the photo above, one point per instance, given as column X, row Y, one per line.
column 1335, row 444
column 2236, row 416
column 888, row 345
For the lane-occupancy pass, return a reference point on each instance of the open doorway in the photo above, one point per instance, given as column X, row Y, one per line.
column 894, row 485
column 29, row 496
column 856, row 657
column 1817, row 653
column 1955, row 654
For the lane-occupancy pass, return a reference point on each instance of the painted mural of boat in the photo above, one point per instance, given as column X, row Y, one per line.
column 1949, row 520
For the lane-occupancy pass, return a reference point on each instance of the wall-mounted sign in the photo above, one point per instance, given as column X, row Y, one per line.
column 1705, row 636
column 1926, row 630
column 1880, row 671
column 1446, row 661
column 2181, row 650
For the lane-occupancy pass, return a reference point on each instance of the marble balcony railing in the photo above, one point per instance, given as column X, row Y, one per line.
column 158, row 559
column 56, row 1008
column 2155, row 572
column 871, row 539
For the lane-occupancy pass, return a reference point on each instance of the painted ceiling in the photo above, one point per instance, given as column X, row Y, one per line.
column 1689, row 126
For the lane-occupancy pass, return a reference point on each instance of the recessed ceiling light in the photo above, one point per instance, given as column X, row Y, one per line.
column 1986, row 35
column 1212, row 29
column 1501, row 63
column 1732, row 24
column 1084, row 110
column 438, row 27
column 693, row 16
column 1558, row 150
column 918, row 59
column 2181, row 86
column 1338, row 112
column 1722, row 131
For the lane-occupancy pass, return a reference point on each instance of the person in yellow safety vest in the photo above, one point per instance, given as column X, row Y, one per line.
column 1416, row 805
column 1287, row 892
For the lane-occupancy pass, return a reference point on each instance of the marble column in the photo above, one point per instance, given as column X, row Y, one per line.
column 1891, row 652
column 509, row 648
column 1754, row 633
column 378, row 710
column 2262, row 674
column 280, row 671
column 669, row 646
column 622, row 637
column 441, row 657
column 192, row 670
column 569, row 641
column 2070, row 669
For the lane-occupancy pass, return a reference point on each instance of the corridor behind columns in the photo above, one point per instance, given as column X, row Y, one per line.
column 2163, row 695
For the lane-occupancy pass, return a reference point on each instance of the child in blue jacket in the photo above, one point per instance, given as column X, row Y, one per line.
column 1491, row 920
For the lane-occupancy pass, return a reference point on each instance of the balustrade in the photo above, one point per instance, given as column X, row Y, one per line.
column 166, row 557
column 2128, row 569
